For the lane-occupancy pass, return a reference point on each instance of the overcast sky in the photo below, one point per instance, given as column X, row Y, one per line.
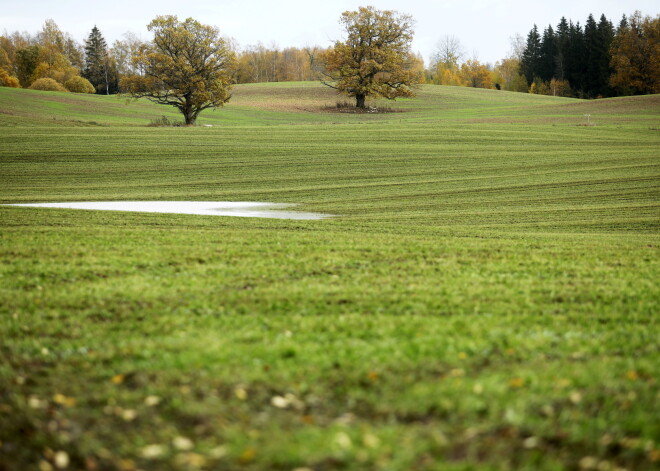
column 484, row 27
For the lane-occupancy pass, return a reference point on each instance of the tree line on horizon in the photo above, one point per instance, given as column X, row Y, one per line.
column 597, row 60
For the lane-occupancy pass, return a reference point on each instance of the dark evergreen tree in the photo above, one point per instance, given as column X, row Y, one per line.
column 99, row 69
column 529, row 65
column 623, row 24
column 575, row 58
column 606, row 36
column 582, row 62
column 548, row 52
column 593, row 53
column 561, row 48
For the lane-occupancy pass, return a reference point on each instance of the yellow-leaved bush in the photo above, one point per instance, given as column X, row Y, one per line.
column 48, row 85
column 79, row 85
column 7, row 80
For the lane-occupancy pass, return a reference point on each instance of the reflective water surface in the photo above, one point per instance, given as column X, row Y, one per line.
column 203, row 208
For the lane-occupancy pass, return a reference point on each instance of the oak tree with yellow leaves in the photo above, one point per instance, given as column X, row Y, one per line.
column 188, row 65
column 375, row 59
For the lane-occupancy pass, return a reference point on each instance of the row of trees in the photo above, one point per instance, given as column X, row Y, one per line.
column 570, row 60
column 595, row 60
column 53, row 60
column 448, row 68
column 190, row 66
column 52, row 54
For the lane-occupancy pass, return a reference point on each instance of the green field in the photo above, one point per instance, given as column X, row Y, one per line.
column 486, row 298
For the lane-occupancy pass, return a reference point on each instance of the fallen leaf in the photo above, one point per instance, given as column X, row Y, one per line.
column 118, row 379
column 370, row 440
column 126, row 465
column 45, row 466
column 218, row 452
column 153, row 451
column 63, row 400
column 342, row 440
column 588, row 462
column 575, row 397
column 279, row 402
column 129, row 415
column 248, row 455
column 307, row 419
column 517, row 382
column 531, row 442
column 61, row 459
column 35, row 403
column 192, row 460
column 183, row 443
column 457, row 372
column 152, row 401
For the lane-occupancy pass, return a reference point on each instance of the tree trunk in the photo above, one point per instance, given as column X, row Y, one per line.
column 360, row 101
column 189, row 113
column 107, row 84
column 190, row 118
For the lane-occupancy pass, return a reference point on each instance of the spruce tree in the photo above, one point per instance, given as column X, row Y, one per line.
column 623, row 24
column 529, row 65
column 548, row 51
column 606, row 34
column 562, row 46
column 98, row 67
column 576, row 57
column 594, row 53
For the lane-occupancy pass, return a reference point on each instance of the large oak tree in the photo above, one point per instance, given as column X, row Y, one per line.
column 188, row 66
column 375, row 59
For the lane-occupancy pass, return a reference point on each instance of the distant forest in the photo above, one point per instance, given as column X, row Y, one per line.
column 598, row 59
column 595, row 60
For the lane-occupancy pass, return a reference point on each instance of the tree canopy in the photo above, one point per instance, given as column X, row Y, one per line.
column 375, row 59
column 636, row 55
column 188, row 66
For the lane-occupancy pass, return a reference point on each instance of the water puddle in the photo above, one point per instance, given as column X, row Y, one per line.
column 202, row 208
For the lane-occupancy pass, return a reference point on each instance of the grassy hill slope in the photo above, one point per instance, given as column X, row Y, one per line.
column 486, row 297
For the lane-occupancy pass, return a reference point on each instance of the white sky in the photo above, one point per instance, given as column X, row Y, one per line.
column 484, row 27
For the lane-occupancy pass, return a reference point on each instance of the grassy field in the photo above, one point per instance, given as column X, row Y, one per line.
column 487, row 297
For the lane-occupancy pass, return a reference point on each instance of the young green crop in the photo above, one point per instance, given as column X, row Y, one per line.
column 486, row 298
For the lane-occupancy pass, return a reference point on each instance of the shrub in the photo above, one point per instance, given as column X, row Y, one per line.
column 79, row 85
column 7, row 80
column 47, row 84
column 163, row 121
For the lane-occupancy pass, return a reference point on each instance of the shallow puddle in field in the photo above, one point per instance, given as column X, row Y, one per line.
column 202, row 208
